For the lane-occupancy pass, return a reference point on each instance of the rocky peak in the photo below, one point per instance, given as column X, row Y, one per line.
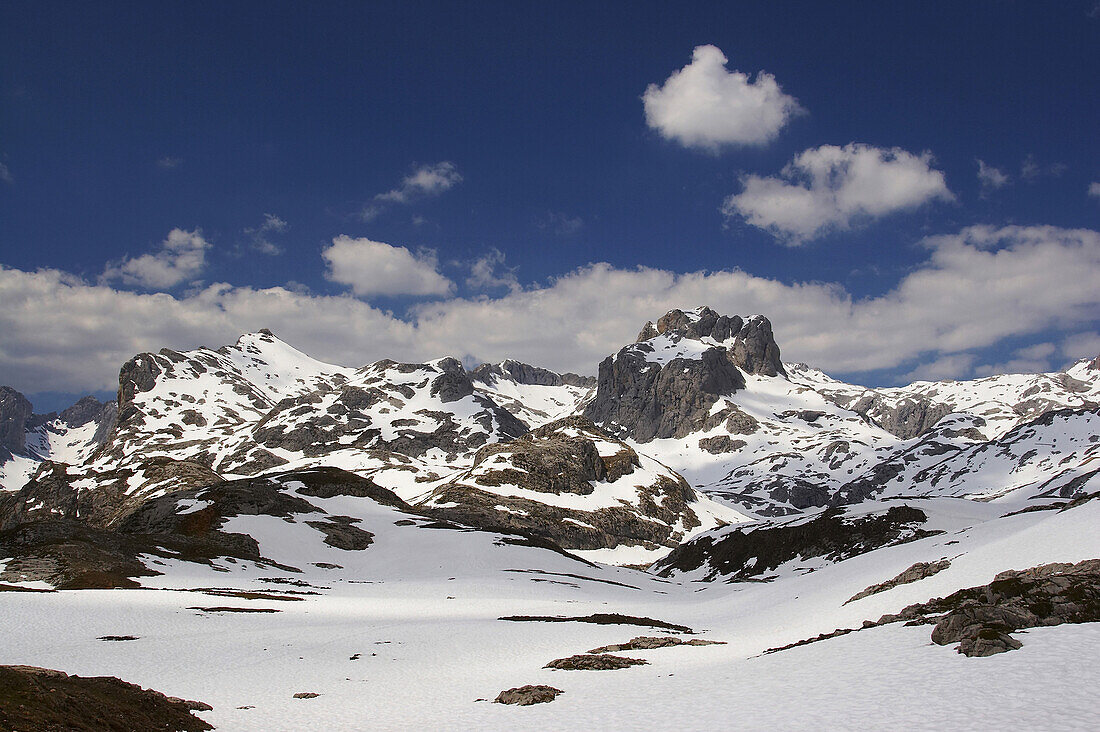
column 454, row 383
column 665, row 384
column 15, row 410
column 753, row 348
column 87, row 409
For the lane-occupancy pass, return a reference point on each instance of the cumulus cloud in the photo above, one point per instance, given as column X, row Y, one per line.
column 169, row 163
column 1094, row 189
column 832, row 188
column 424, row 181
column 991, row 178
column 5, row 174
column 64, row 334
column 260, row 236
column 373, row 268
column 180, row 259
column 705, row 106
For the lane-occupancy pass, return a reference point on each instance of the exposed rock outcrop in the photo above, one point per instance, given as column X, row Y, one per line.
column 747, row 554
column 595, row 662
column 981, row 619
column 34, row 698
column 527, row 695
column 915, row 573
column 647, row 642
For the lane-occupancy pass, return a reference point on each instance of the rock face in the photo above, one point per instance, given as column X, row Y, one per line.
column 907, row 418
column 571, row 483
column 15, row 410
column 980, row 619
column 43, row 699
column 666, row 384
column 745, row 554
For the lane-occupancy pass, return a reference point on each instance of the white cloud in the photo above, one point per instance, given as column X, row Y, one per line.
column 1094, row 189
column 951, row 366
column 424, row 181
column 169, row 163
column 704, row 105
column 489, row 273
column 979, row 288
column 261, row 235
column 1028, row 360
column 1081, row 345
column 373, row 268
column 5, row 174
column 990, row 177
column 180, row 259
column 834, row 188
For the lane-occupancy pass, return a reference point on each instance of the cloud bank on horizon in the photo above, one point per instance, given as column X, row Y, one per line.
column 63, row 333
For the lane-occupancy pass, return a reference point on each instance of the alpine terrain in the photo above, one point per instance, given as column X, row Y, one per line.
column 700, row 536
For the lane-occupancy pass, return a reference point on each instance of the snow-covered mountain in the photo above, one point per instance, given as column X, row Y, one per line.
column 706, row 396
column 709, row 396
column 393, row 545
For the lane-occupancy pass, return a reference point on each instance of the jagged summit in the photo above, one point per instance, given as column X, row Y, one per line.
column 749, row 340
column 666, row 384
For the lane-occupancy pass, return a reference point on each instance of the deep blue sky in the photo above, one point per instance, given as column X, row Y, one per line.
column 308, row 110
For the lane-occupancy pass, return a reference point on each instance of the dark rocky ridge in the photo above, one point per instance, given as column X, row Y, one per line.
column 636, row 398
column 747, row 554
column 523, row 373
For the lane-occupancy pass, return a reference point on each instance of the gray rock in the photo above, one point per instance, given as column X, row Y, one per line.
column 595, row 662
column 15, row 410
column 746, row 554
column 721, row 444
column 907, row 419
column 980, row 619
column 647, row 332
column 454, row 383
column 915, row 573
